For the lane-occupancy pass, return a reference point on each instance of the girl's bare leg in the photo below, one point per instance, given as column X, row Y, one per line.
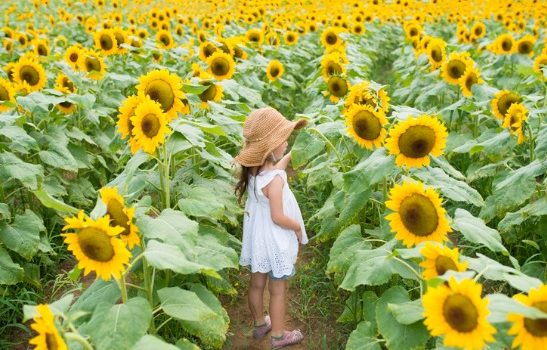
column 278, row 292
column 256, row 295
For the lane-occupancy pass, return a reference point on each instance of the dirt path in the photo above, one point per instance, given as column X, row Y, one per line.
column 239, row 336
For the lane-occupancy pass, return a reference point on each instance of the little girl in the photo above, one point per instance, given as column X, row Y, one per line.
column 272, row 223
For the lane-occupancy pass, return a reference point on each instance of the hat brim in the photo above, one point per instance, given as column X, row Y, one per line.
column 256, row 154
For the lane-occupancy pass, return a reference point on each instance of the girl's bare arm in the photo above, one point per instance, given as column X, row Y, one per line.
column 283, row 162
column 274, row 192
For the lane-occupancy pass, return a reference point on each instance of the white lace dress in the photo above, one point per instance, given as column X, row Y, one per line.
column 267, row 246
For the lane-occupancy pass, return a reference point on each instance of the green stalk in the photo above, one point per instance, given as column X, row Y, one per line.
column 123, row 288
column 77, row 337
column 531, row 143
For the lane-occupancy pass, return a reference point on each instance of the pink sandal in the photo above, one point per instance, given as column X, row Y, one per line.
column 289, row 338
column 260, row 331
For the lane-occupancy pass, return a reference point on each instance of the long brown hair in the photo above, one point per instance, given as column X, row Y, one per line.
column 241, row 185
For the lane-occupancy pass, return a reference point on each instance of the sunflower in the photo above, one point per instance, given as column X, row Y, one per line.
column 164, row 39
column 149, row 125
column 332, row 64
column 221, row 65
column 470, row 77
column 454, row 67
column 72, row 55
column 213, row 92
column 164, row 88
column 290, row 37
column 478, row 30
column 439, row 259
column 412, row 29
column 106, row 41
column 63, row 84
column 514, row 120
column 458, row 312
column 436, row 52
column 525, row 45
column 505, row 44
column 206, row 49
column 127, row 110
column 530, row 334
column 357, row 28
column 418, row 214
column 120, row 215
column 29, row 75
column 7, row 94
column 413, row 140
column 541, row 63
column 274, row 70
column 255, row 36
column 366, row 125
column 329, row 37
column 93, row 64
column 66, row 107
column 48, row 337
column 41, row 48
column 337, row 88
column 96, row 246
column 363, row 94
column 121, row 38
column 502, row 101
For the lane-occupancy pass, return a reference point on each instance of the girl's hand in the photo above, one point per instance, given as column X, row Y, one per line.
column 299, row 235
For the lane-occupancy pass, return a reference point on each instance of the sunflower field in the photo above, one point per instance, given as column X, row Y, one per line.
column 422, row 173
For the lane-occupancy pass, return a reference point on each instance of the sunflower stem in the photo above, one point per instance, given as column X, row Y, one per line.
column 77, row 337
column 123, row 288
column 420, row 279
column 164, row 323
column 531, row 143
column 149, row 292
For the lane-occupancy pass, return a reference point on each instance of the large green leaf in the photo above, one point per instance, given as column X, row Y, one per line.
column 54, row 203
column 171, row 227
column 20, row 140
column 534, row 209
column 370, row 171
column 407, row 312
column 184, row 305
column 119, row 326
column 202, row 202
column 23, row 234
column 151, row 342
column 456, row 190
column 363, row 338
column 397, row 335
column 500, row 305
column 306, row 147
column 343, row 250
column 99, row 291
column 169, row 257
column 13, row 167
column 10, row 272
column 476, row 231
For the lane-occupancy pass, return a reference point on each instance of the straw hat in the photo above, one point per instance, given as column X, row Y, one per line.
column 264, row 130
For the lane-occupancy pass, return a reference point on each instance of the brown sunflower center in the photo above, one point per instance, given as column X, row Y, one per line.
column 161, row 92
column 68, row 84
column 66, row 104
column 478, row 31
column 92, row 64
column 290, row 38
column 331, row 38
column 30, row 75
column 51, row 342
column 506, row 44
column 456, row 68
column 505, row 101
column 274, row 71
column 333, row 68
column 208, row 50
column 413, row 32
column 537, row 327
column 106, row 42
column 525, row 47
column 471, row 80
column 254, row 37
column 444, row 263
column 165, row 40
column 419, row 215
column 117, row 215
column 4, row 93
column 417, row 141
column 366, row 125
column 42, row 50
column 460, row 313
column 220, row 66
column 337, row 86
column 208, row 94
column 96, row 244
column 73, row 57
column 437, row 54
column 150, row 125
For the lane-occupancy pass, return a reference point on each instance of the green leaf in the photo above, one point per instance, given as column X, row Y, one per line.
column 476, row 231
column 23, row 235
column 456, row 190
column 534, row 209
column 398, row 336
column 151, row 342
column 10, row 272
column 169, row 257
column 541, row 143
column 171, row 226
column 363, row 338
column 202, row 202
column 20, row 140
column 119, row 326
column 99, row 291
column 184, row 305
column 5, row 213
column 57, row 307
column 13, row 167
column 408, row 312
column 185, row 344
column 194, row 89
column 343, row 250
column 306, row 147
column 500, row 305
column 370, row 171
column 53, row 203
